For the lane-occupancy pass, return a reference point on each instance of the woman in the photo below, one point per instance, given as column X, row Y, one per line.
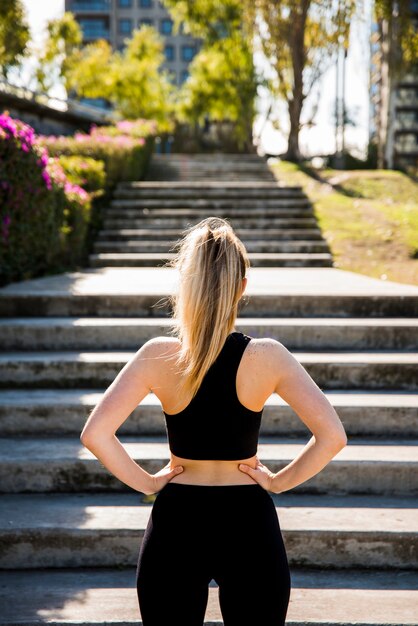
column 213, row 516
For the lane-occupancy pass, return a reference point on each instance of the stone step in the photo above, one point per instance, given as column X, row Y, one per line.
column 225, row 158
column 251, row 246
column 388, row 370
column 252, row 166
column 63, row 464
column 206, row 175
column 108, row 597
column 220, row 206
column 257, row 259
column 315, row 333
column 64, row 412
column 108, row 303
column 169, row 234
column 106, row 530
column 270, row 192
column 200, row 184
column 255, row 167
column 180, row 223
column 395, row 370
column 271, row 292
column 213, row 189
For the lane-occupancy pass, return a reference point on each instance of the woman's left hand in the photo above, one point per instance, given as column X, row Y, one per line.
column 161, row 478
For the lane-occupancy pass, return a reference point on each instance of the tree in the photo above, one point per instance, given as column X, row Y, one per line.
column 222, row 84
column 64, row 36
column 131, row 79
column 14, row 35
column 299, row 39
column 398, row 41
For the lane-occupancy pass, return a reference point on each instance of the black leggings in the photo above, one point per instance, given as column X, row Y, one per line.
column 228, row 533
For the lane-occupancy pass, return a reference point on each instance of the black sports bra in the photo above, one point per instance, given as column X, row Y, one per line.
column 215, row 425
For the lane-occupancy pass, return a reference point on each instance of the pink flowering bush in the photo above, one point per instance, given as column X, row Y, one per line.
column 124, row 148
column 42, row 214
column 139, row 129
column 76, row 208
column 84, row 171
column 29, row 215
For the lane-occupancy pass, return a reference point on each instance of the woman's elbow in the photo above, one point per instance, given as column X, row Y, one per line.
column 89, row 438
column 85, row 438
column 339, row 440
column 334, row 439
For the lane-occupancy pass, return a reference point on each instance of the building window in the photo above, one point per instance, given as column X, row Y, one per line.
column 90, row 5
column 145, row 4
column 184, row 75
column 125, row 4
column 101, row 103
column 187, row 53
column 169, row 52
column 145, row 21
column 94, row 29
column 166, row 26
column 125, row 26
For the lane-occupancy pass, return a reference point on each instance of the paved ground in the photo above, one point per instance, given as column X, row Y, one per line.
column 154, row 280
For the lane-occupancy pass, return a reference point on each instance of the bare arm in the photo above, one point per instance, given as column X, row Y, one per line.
column 300, row 391
column 124, row 394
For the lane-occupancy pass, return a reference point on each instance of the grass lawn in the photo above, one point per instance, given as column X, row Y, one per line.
column 368, row 217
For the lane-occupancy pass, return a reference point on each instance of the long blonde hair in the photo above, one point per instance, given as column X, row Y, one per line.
column 212, row 262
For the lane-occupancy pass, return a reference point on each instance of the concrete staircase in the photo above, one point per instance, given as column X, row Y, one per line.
column 70, row 531
column 217, row 167
column 145, row 219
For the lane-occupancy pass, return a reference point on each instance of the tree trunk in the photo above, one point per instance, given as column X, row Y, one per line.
column 293, row 152
column 298, row 17
column 385, row 88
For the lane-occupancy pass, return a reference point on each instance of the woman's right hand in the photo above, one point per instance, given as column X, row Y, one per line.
column 160, row 479
column 261, row 474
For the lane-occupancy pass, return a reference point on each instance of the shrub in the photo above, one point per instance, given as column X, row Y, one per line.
column 30, row 216
column 133, row 128
column 84, row 171
column 76, row 208
column 125, row 154
column 42, row 214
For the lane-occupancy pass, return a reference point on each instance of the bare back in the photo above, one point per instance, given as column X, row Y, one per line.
column 254, row 385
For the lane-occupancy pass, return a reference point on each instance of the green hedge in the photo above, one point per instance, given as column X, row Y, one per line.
column 84, row 171
column 42, row 214
column 47, row 188
column 124, row 154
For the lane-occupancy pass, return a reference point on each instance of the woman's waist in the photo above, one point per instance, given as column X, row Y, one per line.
column 212, row 472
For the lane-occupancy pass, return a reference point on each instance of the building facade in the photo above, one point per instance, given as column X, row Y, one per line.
column 115, row 21
column 393, row 103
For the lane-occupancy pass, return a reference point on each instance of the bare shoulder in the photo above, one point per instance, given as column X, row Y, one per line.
column 265, row 359
column 267, row 348
column 158, row 347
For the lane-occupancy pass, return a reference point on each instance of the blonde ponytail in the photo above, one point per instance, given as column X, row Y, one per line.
column 211, row 262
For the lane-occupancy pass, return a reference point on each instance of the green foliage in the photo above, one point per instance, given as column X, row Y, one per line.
column 14, row 35
column 209, row 19
column 84, row 171
column 63, row 37
column 124, row 158
column 299, row 40
column 42, row 215
column 402, row 32
column 222, row 84
column 131, row 80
